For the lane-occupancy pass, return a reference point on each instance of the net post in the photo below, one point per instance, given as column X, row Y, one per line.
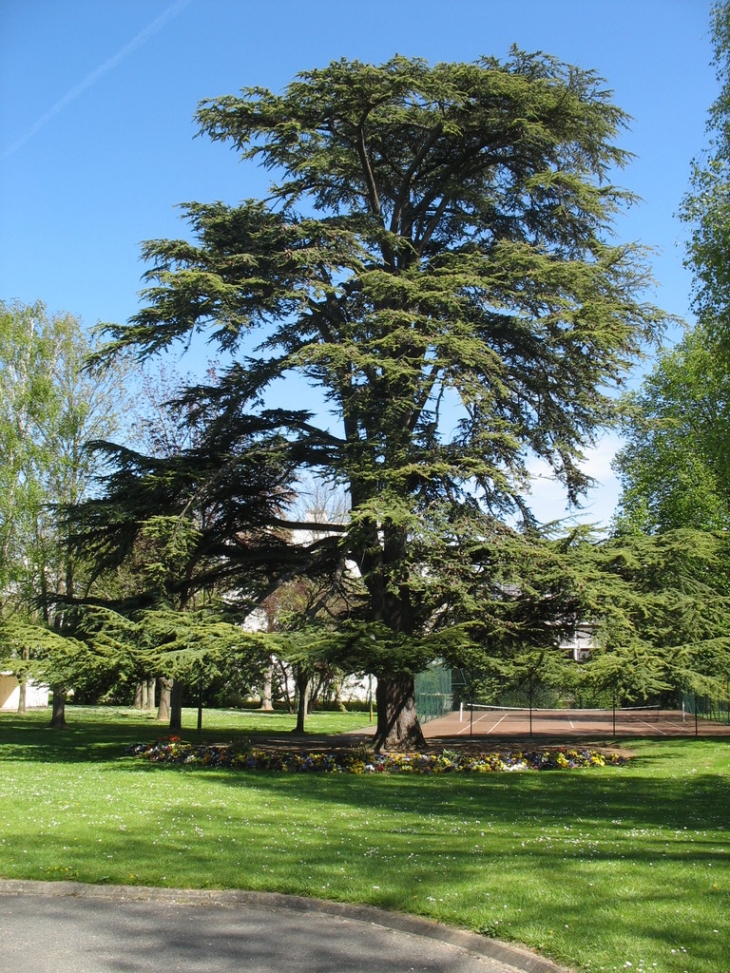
column 613, row 710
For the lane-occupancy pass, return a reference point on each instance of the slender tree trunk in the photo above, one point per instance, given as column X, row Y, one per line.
column 285, row 686
column 22, row 693
column 23, row 683
column 302, row 698
column 163, row 712
column 138, row 695
column 398, row 727
column 266, row 702
column 313, row 693
column 150, row 693
column 58, row 715
column 176, row 705
column 338, row 694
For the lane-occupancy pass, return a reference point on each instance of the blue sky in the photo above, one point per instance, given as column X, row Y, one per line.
column 97, row 137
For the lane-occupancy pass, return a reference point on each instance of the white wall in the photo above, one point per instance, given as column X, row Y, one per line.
column 35, row 695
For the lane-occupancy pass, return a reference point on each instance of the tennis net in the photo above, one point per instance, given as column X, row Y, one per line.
column 468, row 710
column 483, row 719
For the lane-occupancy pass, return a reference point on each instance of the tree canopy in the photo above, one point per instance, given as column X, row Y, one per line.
column 705, row 207
column 674, row 467
column 435, row 255
column 49, row 407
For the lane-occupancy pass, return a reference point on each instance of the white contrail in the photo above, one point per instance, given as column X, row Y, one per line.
column 91, row 79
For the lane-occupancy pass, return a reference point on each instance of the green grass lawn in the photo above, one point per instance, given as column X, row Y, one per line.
column 597, row 868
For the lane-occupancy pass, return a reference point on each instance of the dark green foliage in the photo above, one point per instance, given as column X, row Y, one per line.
column 661, row 606
column 185, row 523
column 434, row 257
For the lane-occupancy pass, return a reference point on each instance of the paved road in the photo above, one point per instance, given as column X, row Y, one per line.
column 49, row 927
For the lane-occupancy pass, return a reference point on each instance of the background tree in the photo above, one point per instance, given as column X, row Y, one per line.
column 661, row 608
column 705, row 207
column 433, row 256
column 674, row 468
column 156, row 550
column 56, row 658
column 49, row 406
column 174, row 529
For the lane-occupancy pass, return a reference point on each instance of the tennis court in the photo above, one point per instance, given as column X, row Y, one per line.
column 558, row 724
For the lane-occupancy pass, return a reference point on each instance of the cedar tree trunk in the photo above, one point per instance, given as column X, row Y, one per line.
column 150, row 693
column 398, row 726
column 266, row 703
column 176, row 705
column 302, row 680
column 138, row 691
column 163, row 712
column 58, row 715
column 23, row 682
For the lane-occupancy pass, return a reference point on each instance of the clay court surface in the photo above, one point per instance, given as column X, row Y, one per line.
column 563, row 725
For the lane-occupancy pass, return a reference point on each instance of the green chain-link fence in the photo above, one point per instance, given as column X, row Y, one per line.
column 705, row 708
column 434, row 695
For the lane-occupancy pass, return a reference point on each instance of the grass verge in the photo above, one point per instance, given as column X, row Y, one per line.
column 597, row 868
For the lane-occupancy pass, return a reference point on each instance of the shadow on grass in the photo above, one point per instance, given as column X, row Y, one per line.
column 31, row 737
column 86, row 738
column 574, row 798
column 583, row 856
column 594, row 855
column 665, row 800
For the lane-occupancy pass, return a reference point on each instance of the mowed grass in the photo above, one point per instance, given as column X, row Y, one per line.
column 598, row 868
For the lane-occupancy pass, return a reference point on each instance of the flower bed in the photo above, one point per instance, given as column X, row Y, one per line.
column 358, row 761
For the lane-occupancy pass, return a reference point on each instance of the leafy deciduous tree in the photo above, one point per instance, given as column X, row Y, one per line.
column 674, row 468
column 49, row 406
column 705, row 207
